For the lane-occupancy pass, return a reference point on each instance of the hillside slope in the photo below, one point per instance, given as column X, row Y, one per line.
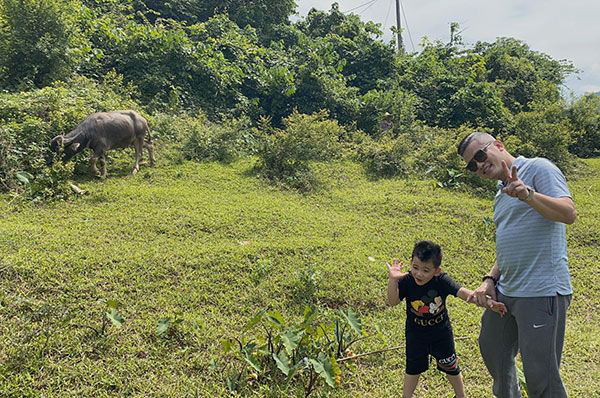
column 212, row 244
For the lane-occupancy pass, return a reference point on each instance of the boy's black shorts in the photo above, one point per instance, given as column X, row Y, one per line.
column 439, row 344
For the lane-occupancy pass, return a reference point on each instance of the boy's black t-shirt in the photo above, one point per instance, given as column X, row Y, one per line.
column 426, row 305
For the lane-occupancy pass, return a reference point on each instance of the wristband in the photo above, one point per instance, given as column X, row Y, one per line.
column 490, row 277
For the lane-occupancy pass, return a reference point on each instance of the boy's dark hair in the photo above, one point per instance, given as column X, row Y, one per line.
column 428, row 251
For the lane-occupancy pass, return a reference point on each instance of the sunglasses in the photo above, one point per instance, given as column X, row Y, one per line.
column 480, row 156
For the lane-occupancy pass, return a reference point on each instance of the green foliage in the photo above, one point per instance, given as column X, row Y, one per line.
column 367, row 60
column 50, row 183
column 522, row 75
column 291, row 353
column 584, row 115
column 387, row 157
column 544, row 132
column 40, row 42
column 263, row 15
column 399, row 104
column 286, row 154
column 207, row 141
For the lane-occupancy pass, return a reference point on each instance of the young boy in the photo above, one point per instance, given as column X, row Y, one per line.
column 428, row 329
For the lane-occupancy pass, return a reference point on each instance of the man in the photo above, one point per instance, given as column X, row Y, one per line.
column 531, row 275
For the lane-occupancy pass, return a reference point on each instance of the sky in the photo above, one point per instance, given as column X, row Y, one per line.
column 559, row 28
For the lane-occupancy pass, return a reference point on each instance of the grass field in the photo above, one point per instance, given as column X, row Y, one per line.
column 212, row 244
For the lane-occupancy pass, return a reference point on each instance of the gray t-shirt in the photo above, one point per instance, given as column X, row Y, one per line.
column 531, row 250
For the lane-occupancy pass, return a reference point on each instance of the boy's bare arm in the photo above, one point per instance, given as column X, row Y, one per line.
column 392, row 292
column 492, row 304
column 395, row 274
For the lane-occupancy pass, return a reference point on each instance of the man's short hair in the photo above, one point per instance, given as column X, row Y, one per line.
column 477, row 136
column 428, row 251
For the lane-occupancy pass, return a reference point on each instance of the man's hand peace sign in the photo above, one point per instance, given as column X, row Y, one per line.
column 513, row 186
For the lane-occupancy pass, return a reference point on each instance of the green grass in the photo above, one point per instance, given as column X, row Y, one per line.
column 189, row 239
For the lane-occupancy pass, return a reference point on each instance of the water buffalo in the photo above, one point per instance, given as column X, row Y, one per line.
column 103, row 131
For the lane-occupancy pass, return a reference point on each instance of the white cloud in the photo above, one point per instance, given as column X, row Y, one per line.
column 562, row 29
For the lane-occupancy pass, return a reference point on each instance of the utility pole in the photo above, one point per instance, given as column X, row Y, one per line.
column 399, row 28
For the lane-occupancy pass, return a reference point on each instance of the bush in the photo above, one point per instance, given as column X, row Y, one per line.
column 199, row 139
column 543, row 132
column 212, row 142
column 425, row 152
column 584, row 115
column 399, row 104
column 40, row 41
column 387, row 157
column 285, row 154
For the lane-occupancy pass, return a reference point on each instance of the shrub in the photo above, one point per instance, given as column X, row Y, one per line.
column 285, row 154
column 40, row 41
column 399, row 104
column 543, row 132
column 584, row 115
column 387, row 157
column 207, row 141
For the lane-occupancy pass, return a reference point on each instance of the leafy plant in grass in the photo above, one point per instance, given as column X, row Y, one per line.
column 110, row 316
column 286, row 154
column 291, row 354
column 450, row 179
column 306, row 286
column 48, row 183
column 262, row 268
column 167, row 326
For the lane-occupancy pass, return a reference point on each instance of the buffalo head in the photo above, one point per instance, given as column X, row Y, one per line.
column 66, row 144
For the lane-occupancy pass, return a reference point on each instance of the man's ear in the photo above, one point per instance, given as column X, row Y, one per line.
column 498, row 144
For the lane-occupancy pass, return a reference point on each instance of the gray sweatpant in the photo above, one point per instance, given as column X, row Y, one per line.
column 536, row 327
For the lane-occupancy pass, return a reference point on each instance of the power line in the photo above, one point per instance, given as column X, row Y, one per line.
column 369, row 3
column 386, row 17
column 407, row 29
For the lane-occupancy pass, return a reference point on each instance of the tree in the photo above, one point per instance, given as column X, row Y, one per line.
column 367, row 60
column 584, row 115
column 263, row 15
column 40, row 41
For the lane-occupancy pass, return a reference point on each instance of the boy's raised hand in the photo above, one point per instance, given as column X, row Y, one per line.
column 395, row 269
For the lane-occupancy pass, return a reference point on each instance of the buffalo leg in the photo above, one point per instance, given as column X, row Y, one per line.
column 103, row 164
column 93, row 167
column 138, row 145
column 148, row 145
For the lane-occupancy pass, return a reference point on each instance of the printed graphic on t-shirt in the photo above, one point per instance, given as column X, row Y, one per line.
column 431, row 304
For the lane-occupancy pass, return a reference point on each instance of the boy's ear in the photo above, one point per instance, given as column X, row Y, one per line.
column 437, row 271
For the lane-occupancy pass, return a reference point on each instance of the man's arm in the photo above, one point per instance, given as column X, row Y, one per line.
column 561, row 209
column 554, row 209
column 487, row 288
